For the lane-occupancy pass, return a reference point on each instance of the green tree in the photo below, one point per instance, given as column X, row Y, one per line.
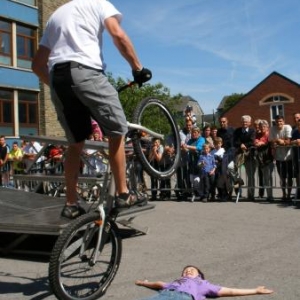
column 133, row 95
column 231, row 100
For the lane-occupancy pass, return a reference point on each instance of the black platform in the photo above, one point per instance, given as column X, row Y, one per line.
column 24, row 214
column 32, row 213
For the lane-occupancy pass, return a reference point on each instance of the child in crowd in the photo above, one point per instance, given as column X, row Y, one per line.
column 189, row 115
column 155, row 157
column 193, row 286
column 220, row 174
column 207, row 165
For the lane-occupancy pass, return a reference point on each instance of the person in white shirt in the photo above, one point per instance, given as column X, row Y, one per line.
column 30, row 151
column 280, row 138
column 70, row 60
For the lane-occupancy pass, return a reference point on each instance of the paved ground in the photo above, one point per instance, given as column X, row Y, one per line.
column 242, row 245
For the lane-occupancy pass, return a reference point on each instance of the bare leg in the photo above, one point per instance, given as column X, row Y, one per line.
column 5, row 178
column 117, row 162
column 72, row 165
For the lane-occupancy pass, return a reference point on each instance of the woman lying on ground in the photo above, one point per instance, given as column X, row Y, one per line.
column 193, row 286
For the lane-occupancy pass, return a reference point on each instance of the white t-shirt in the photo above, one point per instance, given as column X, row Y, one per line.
column 74, row 32
column 32, row 148
column 282, row 153
column 220, row 152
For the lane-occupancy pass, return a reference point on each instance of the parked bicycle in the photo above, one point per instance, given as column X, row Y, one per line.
column 86, row 256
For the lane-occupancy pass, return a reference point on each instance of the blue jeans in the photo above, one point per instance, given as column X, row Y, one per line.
column 170, row 295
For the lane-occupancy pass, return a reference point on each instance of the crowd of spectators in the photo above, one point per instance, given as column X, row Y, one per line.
column 32, row 157
column 212, row 158
column 22, row 158
column 210, row 162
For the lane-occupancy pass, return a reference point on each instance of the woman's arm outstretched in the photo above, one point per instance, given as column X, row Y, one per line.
column 230, row 292
column 155, row 285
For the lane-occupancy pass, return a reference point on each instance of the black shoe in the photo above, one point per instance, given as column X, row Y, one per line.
column 131, row 199
column 72, row 211
column 238, row 182
column 164, row 197
column 203, row 199
column 179, row 196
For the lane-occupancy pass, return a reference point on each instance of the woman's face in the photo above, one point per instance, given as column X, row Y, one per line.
column 195, row 134
column 207, row 132
column 263, row 128
column 156, row 143
column 214, row 132
column 190, row 272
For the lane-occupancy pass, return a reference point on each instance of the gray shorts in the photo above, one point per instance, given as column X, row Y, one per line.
column 79, row 93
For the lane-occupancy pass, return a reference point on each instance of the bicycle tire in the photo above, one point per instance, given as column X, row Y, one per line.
column 73, row 276
column 164, row 123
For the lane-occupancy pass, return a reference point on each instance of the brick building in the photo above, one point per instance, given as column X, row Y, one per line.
column 275, row 95
column 49, row 124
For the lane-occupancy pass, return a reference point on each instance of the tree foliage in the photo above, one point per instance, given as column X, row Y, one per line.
column 231, row 100
column 132, row 96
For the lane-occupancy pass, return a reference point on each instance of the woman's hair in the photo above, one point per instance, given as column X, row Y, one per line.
column 201, row 275
column 264, row 123
column 206, row 127
column 257, row 121
column 196, row 129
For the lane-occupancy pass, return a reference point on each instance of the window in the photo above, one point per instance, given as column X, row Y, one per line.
column 276, row 103
column 28, row 108
column 25, row 46
column 23, row 39
column 275, row 111
column 5, row 43
column 6, row 107
column 276, row 98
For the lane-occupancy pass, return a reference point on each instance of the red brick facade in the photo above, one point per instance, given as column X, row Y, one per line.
column 253, row 103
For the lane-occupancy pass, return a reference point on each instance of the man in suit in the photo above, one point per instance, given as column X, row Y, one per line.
column 243, row 141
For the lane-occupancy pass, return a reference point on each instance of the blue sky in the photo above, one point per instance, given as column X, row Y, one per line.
column 210, row 48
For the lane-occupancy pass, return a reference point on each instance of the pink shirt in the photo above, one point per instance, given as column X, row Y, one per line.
column 262, row 138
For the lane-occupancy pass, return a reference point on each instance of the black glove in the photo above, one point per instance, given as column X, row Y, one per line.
column 141, row 76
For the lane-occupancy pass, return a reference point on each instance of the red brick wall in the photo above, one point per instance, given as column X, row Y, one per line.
column 250, row 103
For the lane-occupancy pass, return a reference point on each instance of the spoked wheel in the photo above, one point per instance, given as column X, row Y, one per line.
column 154, row 115
column 72, row 272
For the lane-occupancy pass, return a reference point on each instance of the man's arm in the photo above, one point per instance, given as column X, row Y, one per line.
column 236, row 138
column 250, row 143
column 40, row 64
column 122, row 42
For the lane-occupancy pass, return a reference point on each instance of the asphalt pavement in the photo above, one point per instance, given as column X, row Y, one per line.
column 241, row 244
